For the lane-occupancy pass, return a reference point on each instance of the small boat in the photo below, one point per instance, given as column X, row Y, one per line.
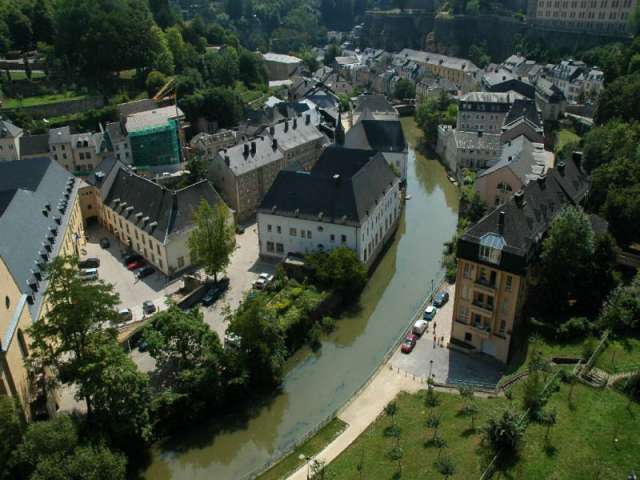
column 407, row 196
column 452, row 180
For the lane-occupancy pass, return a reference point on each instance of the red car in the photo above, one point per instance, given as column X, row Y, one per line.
column 136, row 264
column 408, row 343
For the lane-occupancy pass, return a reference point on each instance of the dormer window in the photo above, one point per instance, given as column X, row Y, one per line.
column 491, row 246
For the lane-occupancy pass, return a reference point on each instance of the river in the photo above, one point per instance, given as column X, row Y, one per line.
column 318, row 383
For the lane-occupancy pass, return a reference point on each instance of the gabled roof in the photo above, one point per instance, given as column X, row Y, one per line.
column 8, row 129
column 378, row 135
column 527, row 217
column 342, row 187
column 373, row 103
column 523, row 108
column 160, row 212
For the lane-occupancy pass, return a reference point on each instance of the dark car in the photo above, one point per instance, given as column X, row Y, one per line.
column 211, row 296
column 91, row 262
column 441, row 299
column 148, row 307
column 408, row 343
column 132, row 257
column 145, row 272
column 105, row 243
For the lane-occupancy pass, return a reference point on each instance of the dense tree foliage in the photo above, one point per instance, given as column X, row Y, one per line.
column 503, row 434
column 219, row 104
column 212, row 241
column 621, row 311
column 434, row 111
column 339, row 270
column 404, row 89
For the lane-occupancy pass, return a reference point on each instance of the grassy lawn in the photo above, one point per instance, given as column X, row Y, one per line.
column 20, row 75
column 620, row 356
column 463, row 444
column 311, row 447
column 564, row 137
column 581, row 444
column 41, row 100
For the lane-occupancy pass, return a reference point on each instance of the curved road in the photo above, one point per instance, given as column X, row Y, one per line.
column 317, row 384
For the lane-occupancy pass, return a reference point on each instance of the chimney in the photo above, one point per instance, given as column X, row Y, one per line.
column 286, row 125
column 246, row 150
column 542, row 180
column 253, row 148
column 577, row 159
column 307, row 119
column 272, row 130
column 501, row 223
column 295, row 123
column 519, row 198
column 274, row 144
column 561, row 166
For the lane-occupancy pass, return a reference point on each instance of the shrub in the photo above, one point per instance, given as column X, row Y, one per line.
column 575, row 327
column 154, row 82
column 504, row 434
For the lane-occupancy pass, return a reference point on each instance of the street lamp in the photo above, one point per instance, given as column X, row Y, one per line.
column 430, row 367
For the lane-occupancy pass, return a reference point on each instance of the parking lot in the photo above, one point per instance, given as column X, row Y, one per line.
column 432, row 357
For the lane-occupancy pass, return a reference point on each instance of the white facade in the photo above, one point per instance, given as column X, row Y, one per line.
column 280, row 235
column 10, row 148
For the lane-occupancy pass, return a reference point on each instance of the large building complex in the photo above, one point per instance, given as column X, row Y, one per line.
column 351, row 198
column 597, row 16
column 40, row 219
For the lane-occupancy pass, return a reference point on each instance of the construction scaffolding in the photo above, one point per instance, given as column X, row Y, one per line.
column 155, row 146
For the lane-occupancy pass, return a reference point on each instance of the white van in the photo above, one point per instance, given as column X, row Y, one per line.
column 89, row 274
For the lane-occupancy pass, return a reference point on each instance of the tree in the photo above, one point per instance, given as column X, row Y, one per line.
column 212, row 241
column 99, row 37
column 548, row 419
column 445, row 466
column 612, row 140
column 251, row 69
column 10, row 431
column 222, row 68
column 470, row 410
column 154, row 82
column 310, row 61
column 621, row 311
column 339, row 270
column 331, row 53
column 566, row 257
column 534, row 397
column 404, row 89
column 163, row 60
column 219, row 104
column 163, row 13
column 504, row 433
column 54, row 450
column 261, row 353
column 619, row 99
column 64, row 340
column 478, row 55
column 434, row 111
column 184, row 55
column 118, row 392
column 433, row 422
column 431, row 399
column 20, row 29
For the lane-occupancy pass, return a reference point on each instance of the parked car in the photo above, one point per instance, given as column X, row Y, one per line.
column 212, row 295
column 409, row 343
column 148, row 307
column 105, row 243
column 88, row 274
column 263, row 280
column 125, row 314
column 135, row 265
column 429, row 313
column 420, row 327
column 91, row 262
column 145, row 272
column 132, row 257
column 441, row 299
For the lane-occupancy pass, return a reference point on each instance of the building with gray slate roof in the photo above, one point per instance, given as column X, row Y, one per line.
column 494, row 256
column 10, row 136
column 40, row 219
column 146, row 217
column 351, row 198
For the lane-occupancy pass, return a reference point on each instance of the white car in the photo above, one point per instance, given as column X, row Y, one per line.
column 263, row 280
column 429, row 313
column 420, row 327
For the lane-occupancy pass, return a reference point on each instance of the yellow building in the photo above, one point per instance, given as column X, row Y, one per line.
column 40, row 219
column 494, row 257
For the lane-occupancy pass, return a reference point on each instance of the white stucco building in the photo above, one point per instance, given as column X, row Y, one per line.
column 351, row 198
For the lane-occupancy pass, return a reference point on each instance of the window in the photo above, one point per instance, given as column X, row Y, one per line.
column 158, row 249
column 503, row 326
column 320, row 228
column 270, row 247
column 278, row 229
column 180, row 262
column 508, row 284
column 332, row 237
column 309, row 234
column 467, row 337
column 268, row 228
column 293, row 232
column 491, row 246
column 279, row 248
column 343, row 238
column 22, row 344
column 7, row 302
column 468, row 270
column 303, row 233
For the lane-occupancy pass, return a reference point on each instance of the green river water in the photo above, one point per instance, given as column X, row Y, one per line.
column 316, row 384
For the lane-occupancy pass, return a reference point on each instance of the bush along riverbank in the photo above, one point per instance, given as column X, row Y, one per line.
column 196, row 375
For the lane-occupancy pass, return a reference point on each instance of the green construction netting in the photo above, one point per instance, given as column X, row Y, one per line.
column 154, row 146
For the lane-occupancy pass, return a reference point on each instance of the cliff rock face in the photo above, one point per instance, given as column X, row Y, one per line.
column 395, row 30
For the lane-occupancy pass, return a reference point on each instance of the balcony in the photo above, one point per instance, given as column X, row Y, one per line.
column 484, row 307
column 485, row 285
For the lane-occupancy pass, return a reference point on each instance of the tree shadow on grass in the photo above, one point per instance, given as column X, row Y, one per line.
column 550, row 450
column 468, row 432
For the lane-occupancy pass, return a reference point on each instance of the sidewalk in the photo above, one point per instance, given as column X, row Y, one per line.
column 363, row 410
